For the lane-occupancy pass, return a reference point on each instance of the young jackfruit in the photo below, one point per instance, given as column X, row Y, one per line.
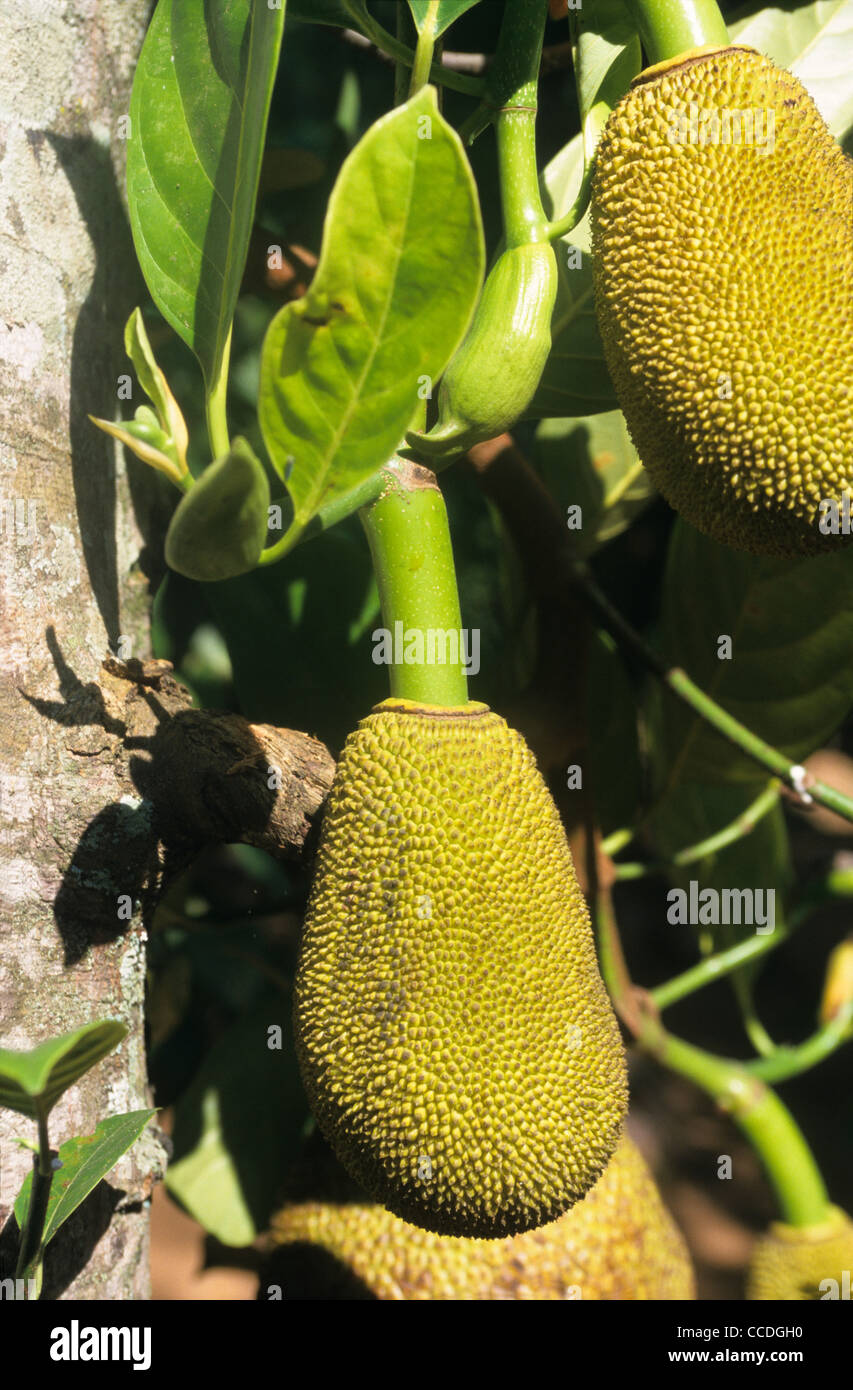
column 796, row 1263
column 619, row 1242
column 455, row 1038
column 723, row 268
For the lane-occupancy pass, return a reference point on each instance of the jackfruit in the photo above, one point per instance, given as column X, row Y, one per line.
column 618, row 1242
column 796, row 1263
column 455, row 1038
column 723, row 271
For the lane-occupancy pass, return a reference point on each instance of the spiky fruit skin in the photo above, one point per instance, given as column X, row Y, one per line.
column 723, row 279
column 455, row 1038
column 792, row 1262
column 619, row 1242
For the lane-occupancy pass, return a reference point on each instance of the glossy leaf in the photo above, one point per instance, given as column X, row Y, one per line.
column 816, row 43
column 219, row 527
column 238, row 1126
column 32, row 1081
column 198, row 116
column 448, row 12
column 394, row 292
column 84, row 1162
column 608, row 58
column 591, row 463
column 790, row 679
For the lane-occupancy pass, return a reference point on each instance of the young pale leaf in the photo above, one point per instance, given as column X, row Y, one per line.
column 84, row 1161
column 816, row 42
column 219, row 527
column 790, row 676
column 398, row 278
column 32, row 1081
column 198, row 116
column 153, row 382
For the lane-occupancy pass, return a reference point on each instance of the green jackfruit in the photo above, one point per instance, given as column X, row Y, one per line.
column 619, row 1242
column 493, row 377
column 455, row 1038
column 723, row 269
column 796, row 1263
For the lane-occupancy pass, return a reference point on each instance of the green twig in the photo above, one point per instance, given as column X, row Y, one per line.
column 785, row 1062
column 742, row 825
column 561, row 226
column 387, row 43
column 686, row 690
column 413, row 559
column 30, row 1252
column 423, row 53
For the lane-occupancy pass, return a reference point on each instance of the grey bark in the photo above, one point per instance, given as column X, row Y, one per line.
column 70, row 584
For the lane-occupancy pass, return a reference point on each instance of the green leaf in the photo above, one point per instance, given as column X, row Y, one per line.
column 592, row 463
column 198, row 115
column 790, row 679
column 399, row 274
column 608, row 58
column 816, row 43
column 575, row 380
column 219, row 527
column 31, row 1082
column 85, row 1160
column 238, row 1126
column 448, row 12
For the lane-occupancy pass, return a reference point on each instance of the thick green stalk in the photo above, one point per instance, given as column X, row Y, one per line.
column 669, row 28
column 413, row 559
column 513, row 85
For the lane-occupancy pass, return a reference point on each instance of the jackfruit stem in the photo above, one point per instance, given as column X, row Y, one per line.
column 512, row 90
column 409, row 541
column 669, row 28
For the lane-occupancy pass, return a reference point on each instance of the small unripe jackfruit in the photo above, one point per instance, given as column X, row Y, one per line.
column 803, row 1262
column 455, row 1038
column 619, row 1242
column 723, row 268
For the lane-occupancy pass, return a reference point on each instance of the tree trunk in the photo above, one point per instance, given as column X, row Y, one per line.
column 73, row 836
